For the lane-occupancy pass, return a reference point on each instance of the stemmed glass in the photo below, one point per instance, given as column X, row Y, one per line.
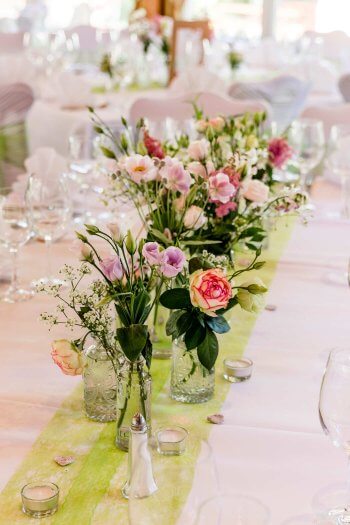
column 50, row 213
column 15, row 231
column 334, row 413
column 306, row 136
column 338, row 162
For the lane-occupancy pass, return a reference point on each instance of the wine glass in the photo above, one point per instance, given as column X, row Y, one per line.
column 15, row 231
column 334, row 413
column 338, row 162
column 50, row 213
column 306, row 136
column 233, row 509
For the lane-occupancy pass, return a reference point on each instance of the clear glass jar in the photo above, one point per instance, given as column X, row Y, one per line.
column 190, row 381
column 100, row 384
column 133, row 395
column 162, row 347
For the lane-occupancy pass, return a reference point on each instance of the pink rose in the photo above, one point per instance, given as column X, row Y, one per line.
column 140, row 168
column 112, row 268
column 255, row 191
column 224, row 209
column 176, row 177
column 67, row 357
column 210, row 290
column 220, row 188
column 194, row 218
column 151, row 253
column 279, row 151
column 172, row 261
column 217, row 123
column 198, row 149
column 202, row 125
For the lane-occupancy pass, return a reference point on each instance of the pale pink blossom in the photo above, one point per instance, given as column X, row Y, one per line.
column 112, row 268
column 255, row 191
column 140, row 168
column 194, row 218
column 217, row 123
column 279, row 151
column 151, row 253
column 197, row 169
column 172, row 261
column 198, row 149
column 176, row 177
column 220, row 188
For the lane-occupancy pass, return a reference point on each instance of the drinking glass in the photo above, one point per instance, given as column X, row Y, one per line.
column 307, row 139
column 15, row 231
column 338, row 162
column 233, row 509
column 50, row 213
column 334, row 413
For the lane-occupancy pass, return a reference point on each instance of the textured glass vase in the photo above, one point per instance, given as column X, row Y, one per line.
column 133, row 395
column 100, row 384
column 190, row 381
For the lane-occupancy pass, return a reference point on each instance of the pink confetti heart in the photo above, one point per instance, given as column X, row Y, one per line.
column 63, row 461
column 216, row 419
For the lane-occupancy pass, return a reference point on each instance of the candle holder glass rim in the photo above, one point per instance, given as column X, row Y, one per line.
column 229, row 360
column 39, row 483
column 174, row 427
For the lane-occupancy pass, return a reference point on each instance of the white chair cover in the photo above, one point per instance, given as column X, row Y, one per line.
column 329, row 115
column 180, row 108
column 86, row 35
column 344, row 87
column 320, row 74
column 285, row 94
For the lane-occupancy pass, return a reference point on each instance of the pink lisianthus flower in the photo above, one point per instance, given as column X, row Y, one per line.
column 255, row 191
column 140, row 168
column 172, row 261
column 153, row 146
column 112, row 268
column 279, row 151
column 220, row 188
column 151, row 253
column 198, row 149
column 176, row 177
column 224, row 209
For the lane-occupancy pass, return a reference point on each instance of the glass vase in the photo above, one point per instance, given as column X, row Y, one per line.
column 100, row 384
column 162, row 347
column 133, row 395
column 190, row 381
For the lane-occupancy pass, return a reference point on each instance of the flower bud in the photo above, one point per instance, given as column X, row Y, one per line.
column 130, row 243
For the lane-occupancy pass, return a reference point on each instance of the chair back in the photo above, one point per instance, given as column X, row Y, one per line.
column 329, row 115
column 285, row 94
column 11, row 42
column 344, row 86
column 15, row 102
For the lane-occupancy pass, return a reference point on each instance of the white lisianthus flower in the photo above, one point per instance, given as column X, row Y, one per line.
column 194, row 218
column 252, row 298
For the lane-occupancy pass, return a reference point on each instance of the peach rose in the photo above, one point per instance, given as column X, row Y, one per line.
column 256, row 191
column 217, row 123
column 67, row 357
column 210, row 290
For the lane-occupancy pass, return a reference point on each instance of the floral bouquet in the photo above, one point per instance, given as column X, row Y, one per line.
column 217, row 190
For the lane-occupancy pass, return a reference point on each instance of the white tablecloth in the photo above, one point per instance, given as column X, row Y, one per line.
column 271, row 445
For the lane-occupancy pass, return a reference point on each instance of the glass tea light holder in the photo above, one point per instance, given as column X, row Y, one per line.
column 40, row 499
column 171, row 441
column 237, row 370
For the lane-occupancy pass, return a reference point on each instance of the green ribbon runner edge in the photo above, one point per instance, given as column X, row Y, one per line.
column 90, row 487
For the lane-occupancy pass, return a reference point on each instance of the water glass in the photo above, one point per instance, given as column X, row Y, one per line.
column 338, row 162
column 49, row 206
column 15, row 231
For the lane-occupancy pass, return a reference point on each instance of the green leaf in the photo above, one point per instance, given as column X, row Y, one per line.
column 98, row 129
column 232, row 302
column 107, row 152
column 183, row 323
column 208, row 350
column 201, row 243
column 218, row 324
column 176, row 299
column 197, row 263
column 122, row 315
column 133, row 340
column 147, row 352
column 140, row 302
column 160, row 236
column 194, row 335
column 171, row 326
column 256, row 288
column 258, row 265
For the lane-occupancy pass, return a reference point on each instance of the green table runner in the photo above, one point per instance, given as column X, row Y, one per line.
column 90, row 487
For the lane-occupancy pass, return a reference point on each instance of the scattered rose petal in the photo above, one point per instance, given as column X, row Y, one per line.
column 216, row 419
column 63, row 461
column 270, row 307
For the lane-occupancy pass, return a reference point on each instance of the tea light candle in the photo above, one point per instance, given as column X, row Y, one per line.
column 40, row 499
column 171, row 441
column 237, row 370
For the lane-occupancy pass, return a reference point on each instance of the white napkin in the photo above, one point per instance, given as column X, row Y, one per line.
column 197, row 79
column 73, row 91
column 45, row 162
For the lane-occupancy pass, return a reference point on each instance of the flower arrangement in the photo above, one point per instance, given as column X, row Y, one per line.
column 151, row 31
column 206, row 292
column 234, row 59
column 216, row 190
